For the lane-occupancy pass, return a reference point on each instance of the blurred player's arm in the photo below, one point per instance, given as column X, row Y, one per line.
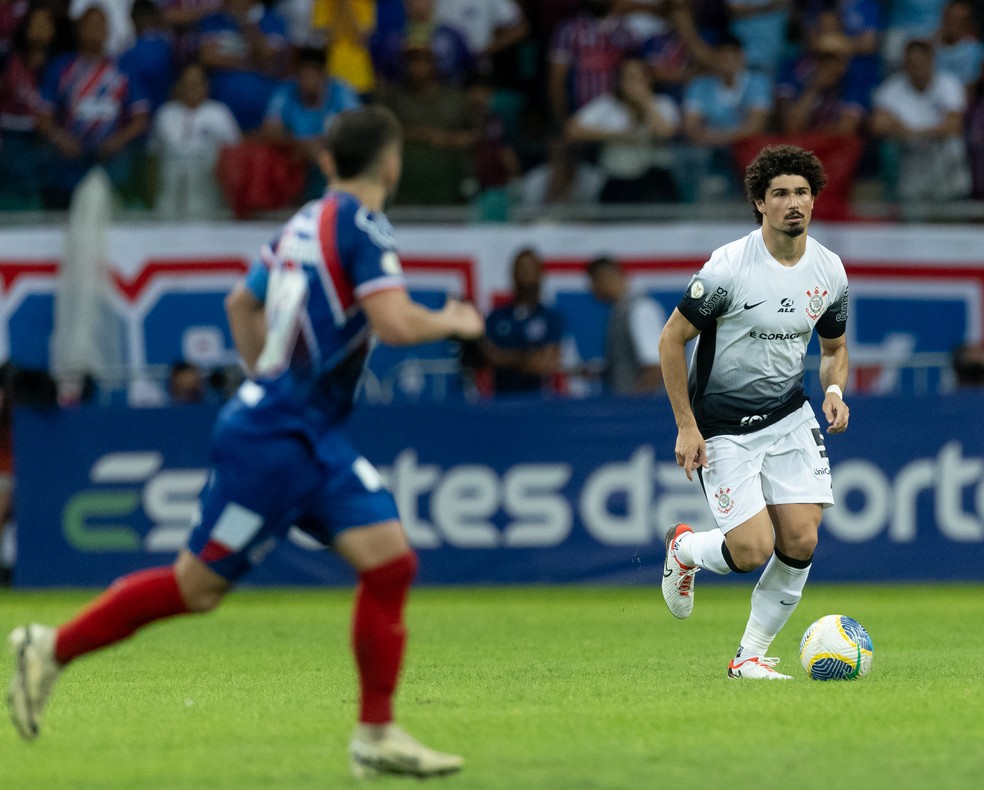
column 247, row 322
column 834, row 365
column 399, row 321
column 691, row 451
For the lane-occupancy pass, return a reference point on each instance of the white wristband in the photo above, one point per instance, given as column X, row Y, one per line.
column 835, row 388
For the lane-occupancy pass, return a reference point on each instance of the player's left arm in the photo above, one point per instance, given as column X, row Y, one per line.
column 834, row 366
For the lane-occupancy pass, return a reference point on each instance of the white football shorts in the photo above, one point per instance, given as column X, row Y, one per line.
column 784, row 463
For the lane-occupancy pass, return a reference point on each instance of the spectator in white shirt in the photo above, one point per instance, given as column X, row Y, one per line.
column 632, row 124
column 188, row 134
column 489, row 26
column 632, row 364
column 921, row 110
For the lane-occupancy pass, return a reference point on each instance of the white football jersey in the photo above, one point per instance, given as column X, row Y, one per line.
column 756, row 317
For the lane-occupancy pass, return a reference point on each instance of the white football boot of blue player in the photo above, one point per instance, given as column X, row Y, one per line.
column 397, row 752
column 35, row 673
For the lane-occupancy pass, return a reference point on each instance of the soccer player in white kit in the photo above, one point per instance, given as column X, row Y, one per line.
column 744, row 422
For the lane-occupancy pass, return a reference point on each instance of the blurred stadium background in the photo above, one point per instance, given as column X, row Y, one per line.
column 109, row 282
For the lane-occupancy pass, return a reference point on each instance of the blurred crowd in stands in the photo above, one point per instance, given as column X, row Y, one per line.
column 195, row 106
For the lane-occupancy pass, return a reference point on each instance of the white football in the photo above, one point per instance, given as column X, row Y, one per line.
column 836, row 647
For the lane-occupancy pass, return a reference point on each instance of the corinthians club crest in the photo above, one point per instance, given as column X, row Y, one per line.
column 816, row 303
column 724, row 500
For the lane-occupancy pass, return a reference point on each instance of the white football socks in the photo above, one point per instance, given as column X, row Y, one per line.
column 703, row 549
column 773, row 601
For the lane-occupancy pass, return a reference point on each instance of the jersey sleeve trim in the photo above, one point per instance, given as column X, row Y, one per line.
column 380, row 284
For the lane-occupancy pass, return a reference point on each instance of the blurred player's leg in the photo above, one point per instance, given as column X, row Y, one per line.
column 137, row 600
column 386, row 567
column 132, row 602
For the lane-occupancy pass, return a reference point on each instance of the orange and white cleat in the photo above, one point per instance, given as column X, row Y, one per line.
column 755, row 668
column 678, row 578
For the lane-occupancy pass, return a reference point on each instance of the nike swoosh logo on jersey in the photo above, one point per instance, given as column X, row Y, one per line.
column 750, row 306
column 787, row 603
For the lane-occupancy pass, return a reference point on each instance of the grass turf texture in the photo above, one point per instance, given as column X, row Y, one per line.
column 538, row 688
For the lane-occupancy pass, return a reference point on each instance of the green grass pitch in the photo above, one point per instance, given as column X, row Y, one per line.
column 555, row 688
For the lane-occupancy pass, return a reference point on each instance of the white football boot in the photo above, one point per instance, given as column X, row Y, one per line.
column 678, row 578
column 35, row 673
column 755, row 668
column 397, row 752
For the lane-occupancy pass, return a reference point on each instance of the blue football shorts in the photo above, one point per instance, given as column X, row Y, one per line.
column 264, row 482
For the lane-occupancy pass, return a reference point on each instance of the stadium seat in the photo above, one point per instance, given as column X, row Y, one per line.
column 256, row 176
column 840, row 155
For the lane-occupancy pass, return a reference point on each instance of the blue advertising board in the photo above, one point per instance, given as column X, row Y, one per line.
column 505, row 492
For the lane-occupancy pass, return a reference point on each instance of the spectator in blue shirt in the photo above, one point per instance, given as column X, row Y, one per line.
column 760, row 25
column 301, row 111
column 729, row 105
column 958, row 47
column 861, row 21
column 243, row 46
column 718, row 110
column 820, row 92
column 523, row 338
column 908, row 20
column 151, row 58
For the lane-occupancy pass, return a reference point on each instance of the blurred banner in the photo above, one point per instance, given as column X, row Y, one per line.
column 914, row 288
column 505, row 492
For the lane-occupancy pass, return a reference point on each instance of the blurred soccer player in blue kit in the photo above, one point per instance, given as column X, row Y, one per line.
column 303, row 322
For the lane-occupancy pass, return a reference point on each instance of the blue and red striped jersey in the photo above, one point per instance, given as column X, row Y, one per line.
column 310, row 278
column 91, row 98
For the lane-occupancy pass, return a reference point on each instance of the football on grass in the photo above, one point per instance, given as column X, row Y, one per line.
column 836, row 647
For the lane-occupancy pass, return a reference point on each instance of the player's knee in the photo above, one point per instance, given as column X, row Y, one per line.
column 409, row 564
column 403, row 570
column 392, row 576
column 202, row 601
column 750, row 556
column 801, row 546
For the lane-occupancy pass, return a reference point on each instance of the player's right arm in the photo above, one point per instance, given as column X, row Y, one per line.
column 247, row 323
column 691, row 451
column 399, row 321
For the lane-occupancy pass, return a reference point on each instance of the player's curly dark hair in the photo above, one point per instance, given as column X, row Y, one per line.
column 781, row 160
